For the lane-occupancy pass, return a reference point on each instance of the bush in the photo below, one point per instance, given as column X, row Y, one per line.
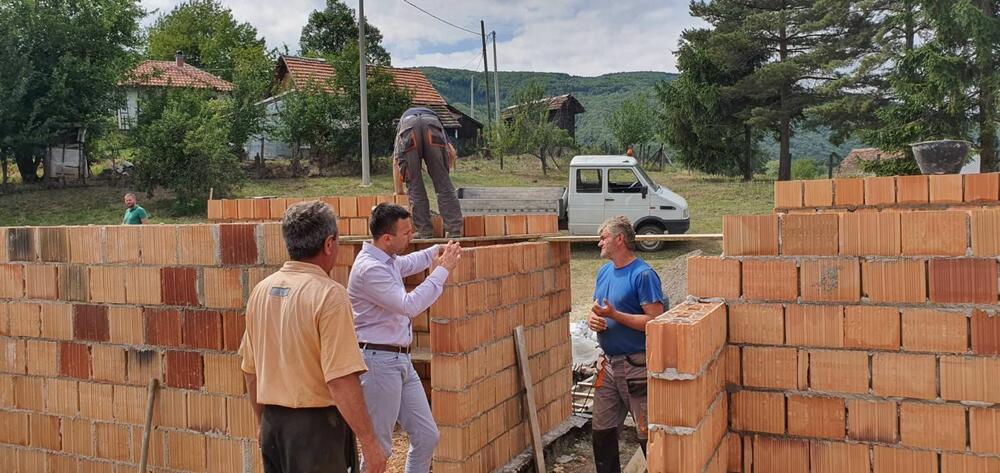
column 804, row 169
column 181, row 144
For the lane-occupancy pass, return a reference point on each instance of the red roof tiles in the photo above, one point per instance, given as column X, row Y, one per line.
column 170, row 74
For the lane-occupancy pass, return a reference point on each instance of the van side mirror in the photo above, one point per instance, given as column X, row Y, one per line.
column 645, row 190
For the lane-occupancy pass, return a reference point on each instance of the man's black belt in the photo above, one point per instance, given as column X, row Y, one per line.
column 380, row 347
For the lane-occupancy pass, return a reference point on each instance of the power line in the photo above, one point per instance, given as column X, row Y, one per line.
column 442, row 20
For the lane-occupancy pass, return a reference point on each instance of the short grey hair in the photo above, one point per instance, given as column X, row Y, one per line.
column 306, row 226
column 130, row 194
column 620, row 225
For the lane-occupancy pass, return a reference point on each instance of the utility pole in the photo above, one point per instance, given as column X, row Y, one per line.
column 496, row 79
column 472, row 97
column 486, row 72
column 366, row 173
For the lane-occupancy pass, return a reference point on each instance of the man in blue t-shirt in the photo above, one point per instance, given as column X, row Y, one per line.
column 627, row 295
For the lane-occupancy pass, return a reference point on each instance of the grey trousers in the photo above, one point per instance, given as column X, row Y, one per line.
column 393, row 393
column 421, row 139
column 620, row 389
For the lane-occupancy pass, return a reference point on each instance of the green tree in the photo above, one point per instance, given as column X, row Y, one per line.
column 804, row 168
column 334, row 28
column 208, row 35
column 634, row 122
column 305, row 117
column 529, row 130
column 703, row 116
column 180, row 145
column 60, row 61
column 809, row 41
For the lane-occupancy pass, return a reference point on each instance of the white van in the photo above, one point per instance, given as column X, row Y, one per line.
column 600, row 187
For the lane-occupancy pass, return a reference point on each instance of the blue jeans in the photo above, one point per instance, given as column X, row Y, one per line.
column 393, row 393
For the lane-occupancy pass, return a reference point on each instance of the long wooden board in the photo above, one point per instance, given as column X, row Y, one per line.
column 529, row 394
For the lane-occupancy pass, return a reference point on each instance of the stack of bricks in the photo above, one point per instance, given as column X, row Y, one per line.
column 476, row 385
column 915, row 192
column 688, row 410
column 353, row 213
column 862, row 339
column 88, row 315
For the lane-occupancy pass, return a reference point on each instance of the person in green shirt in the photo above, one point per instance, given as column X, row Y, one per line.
column 134, row 214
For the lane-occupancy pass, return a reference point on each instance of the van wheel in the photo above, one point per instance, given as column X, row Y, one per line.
column 650, row 246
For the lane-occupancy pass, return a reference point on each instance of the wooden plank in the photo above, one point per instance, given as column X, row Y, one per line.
column 505, row 238
column 595, row 238
column 529, row 395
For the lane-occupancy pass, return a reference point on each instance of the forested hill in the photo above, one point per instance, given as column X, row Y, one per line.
column 599, row 95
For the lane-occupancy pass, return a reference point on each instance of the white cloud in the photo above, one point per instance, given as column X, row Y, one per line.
column 581, row 37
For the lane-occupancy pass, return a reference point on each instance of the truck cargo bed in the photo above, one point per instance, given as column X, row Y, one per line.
column 492, row 200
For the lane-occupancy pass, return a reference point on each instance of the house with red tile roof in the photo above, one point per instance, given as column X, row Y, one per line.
column 292, row 72
column 152, row 74
column 562, row 110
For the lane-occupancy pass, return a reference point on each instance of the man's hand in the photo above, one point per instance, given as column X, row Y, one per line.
column 375, row 458
column 607, row 310
column 596, row 322
column 450, row 255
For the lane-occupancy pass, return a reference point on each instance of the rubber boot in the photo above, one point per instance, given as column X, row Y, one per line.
column 643, row 444
column 606, row 450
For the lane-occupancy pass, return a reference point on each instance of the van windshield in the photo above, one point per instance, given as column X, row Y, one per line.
column 652, row 185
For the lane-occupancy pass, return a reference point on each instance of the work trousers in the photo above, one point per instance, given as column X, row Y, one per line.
column 421, row 140
column 306, row 440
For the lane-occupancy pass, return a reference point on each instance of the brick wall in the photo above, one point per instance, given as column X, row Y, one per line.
column 858, row 339
column 937, row 191
column 353, row 214
column 89, row 314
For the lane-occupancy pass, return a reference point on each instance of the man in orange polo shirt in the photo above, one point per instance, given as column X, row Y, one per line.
column 301, row 359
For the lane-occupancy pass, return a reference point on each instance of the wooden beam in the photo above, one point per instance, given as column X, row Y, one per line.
column 529, row 394
column 595, row 238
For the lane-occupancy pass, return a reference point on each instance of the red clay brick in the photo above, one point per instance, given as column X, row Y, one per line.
column 756, row 323
column 962, row 378
column 809, row 234
column 713, row 277
column 230, row 209
column 818, row 326
column 159, row 244
column 873, row 421
column 894, row 281
column 74, row 360
column 223, row 287
column 954, row 463
column 871, row 327
column 11, row 281
column 244, row 209
column 934, row 233
column 123, row 244
column 912, row 190
column 238, row 244
column 202, row 329
column 770, row 280
column 817, row 417
column 750, row 235
column 935, row 331
column 900, row 460
column 788, row 194
column 349, row 207
column 90, row 322
column 838, row 371
column 932, row 426
column 162, row 327
column 179, row 286
column 473, row 225
column 516, row 224
column 904, row 375
column 107, row 284
column 817, row 193
column 984, row 430
column 880, row 190
column 870, row 233
column 756, row 411
column 849, row 192
column 773, row 455
column 41, row 282
column 981, row 187
column 963, row 280
column 831, row 280
column 233, row 326
column 184, row 369
column 74, row 283
column 986, row 232
column 53, row 246
column 770, row 367
column 838, row 457
column 215, row 209
column 945, row 188
column 985, row 333
column 142, row 285
column 494, row 225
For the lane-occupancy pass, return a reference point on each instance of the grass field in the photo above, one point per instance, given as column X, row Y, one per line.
column 709, row 198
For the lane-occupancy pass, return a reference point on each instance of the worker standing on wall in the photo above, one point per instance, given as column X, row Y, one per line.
column 420, row 138
column 301, row 359
column 627, row 295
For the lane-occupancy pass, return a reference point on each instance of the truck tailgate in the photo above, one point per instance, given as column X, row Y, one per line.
column 491, row 200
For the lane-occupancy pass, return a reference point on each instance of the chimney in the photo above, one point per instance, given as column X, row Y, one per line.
column 179, row 58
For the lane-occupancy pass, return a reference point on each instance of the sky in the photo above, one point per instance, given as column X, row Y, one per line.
column 578, row 37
